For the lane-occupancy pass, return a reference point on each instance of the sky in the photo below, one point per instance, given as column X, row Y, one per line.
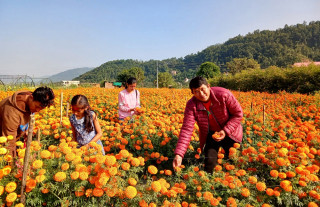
column 45, row 37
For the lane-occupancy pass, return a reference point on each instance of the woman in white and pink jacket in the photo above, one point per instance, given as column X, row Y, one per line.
column 129, row 99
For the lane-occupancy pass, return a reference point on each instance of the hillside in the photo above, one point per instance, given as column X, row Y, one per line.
column 281, row 48
column 69, row 74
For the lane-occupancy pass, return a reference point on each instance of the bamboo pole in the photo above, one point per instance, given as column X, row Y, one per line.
column 39, row 138
column 61, row 101
column 263, row 110
column 26, row 159
column 67, row 111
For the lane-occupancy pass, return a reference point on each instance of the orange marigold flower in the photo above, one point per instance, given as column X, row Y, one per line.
column 286, row 185
column 252, row 180
column 97, row 192
column 274, row 173
column 269, row 191
column 152, row 170
column 125, row 166
column 245, row 192
column 130, row 192
column 312, row 204
column 261, row 186
column 231, row 202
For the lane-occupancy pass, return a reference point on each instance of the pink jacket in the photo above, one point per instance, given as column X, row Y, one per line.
column 225, row 108
column 128, row 101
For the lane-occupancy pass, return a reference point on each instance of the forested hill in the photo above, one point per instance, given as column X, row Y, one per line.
column 281, row 48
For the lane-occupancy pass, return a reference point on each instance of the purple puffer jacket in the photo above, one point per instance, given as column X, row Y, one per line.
column 227, row 111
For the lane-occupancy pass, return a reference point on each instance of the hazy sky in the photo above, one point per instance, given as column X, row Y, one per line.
column 44, row 37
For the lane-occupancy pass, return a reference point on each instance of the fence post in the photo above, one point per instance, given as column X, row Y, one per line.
column 26, row 160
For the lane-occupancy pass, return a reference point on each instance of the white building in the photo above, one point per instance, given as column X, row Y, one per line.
column 69, row 83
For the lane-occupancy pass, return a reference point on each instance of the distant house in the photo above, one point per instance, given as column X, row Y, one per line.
column 304, row 64
column 174, row 72
column 69, row 83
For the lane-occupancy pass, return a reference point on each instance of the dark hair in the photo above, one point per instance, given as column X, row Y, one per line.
column 81, row 100
column 197, row 82
column 44, row 95
column 130, row 81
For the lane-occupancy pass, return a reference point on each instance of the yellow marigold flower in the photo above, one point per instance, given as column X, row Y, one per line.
column 45, row 154
column 103, row 180
column 156, row 186
column 11, row 197
column 37, row 164
column 60, row 176
column 110, row 160
column 135, row 162
column 10, row 187
column 70, row 156
column 3, row 139
column 130, row 192
column 83, row 175
column 3, row 151
column 77, row 160
column 65, row 166
column 1, row 190
column 152, row 170
column 19, row 144
column 124, row 153
column 75, row 175
column 132, row 181
column 6, row 170
column 40, row 178
column 10, row 137
column 19, row 205
column 112, row 171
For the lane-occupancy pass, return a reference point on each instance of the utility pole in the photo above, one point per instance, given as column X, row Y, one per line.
column 157, row 75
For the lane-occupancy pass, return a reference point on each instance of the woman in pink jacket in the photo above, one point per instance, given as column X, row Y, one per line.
column 215, row 110
column 129, row 99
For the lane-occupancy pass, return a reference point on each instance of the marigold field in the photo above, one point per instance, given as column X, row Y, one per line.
column 276, row 165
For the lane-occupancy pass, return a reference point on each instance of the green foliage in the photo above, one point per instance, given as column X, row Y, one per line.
column 135, row 72
column 281, row 48
column 273, row 79
column 208, row 70
column 239, row 64
column 165, row 80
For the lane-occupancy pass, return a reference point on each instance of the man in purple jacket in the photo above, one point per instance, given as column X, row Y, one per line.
column 214, row 109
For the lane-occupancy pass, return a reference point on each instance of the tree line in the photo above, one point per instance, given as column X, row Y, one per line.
column 280, row 48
